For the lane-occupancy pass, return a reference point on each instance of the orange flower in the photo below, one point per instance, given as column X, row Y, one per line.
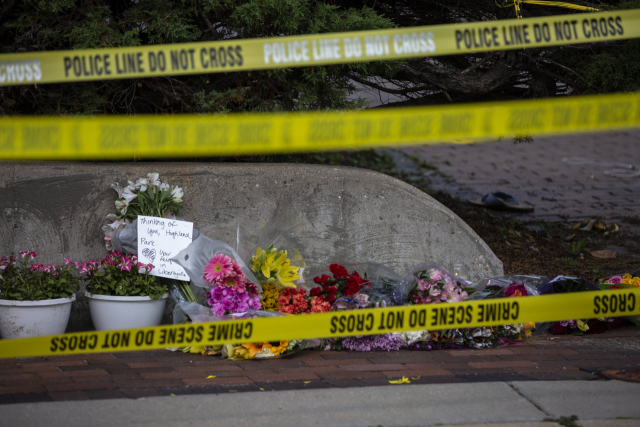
column 277, row 349
column 254, row 348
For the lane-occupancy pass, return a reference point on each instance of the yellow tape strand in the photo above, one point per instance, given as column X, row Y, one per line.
column 623, row 302
column 317, row 49
column 117, row 137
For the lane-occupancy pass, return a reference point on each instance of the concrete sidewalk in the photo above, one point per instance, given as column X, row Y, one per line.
column 535, row 173
column 403, row 405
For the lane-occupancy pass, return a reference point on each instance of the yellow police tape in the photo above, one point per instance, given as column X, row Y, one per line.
column 623, row 302
column 316, row 49
column 118, row 137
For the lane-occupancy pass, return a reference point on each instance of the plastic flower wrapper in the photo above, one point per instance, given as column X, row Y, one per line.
column 190, row 312
column 379, row 293
column 215, row 266
column 428, row 283
column 263, row 350
column 273, row 252
column 512, row 286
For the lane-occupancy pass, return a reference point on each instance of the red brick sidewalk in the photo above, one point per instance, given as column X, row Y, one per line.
column 161, row 373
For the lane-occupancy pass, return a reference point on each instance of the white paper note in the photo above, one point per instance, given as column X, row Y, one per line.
column 158, row 240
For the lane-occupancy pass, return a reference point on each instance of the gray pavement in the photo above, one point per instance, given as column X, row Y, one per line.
column 535, row 173
column 503, row 403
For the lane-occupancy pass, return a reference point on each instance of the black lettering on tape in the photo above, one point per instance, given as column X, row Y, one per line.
column 326, row 131
column 249, row 330
column 254, row 133
column 41, row 138
column 416, row 126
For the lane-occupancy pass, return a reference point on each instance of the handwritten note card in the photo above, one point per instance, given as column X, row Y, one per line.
column 158, row 240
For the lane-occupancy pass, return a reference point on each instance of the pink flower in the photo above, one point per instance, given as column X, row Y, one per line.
column 615, row 279
column 68, row 261
column 233, row 282
column 48, row 268
column 134, row 259
column 435, row 274
column 126, row 264
column 33, row 254
column 218, row 268
column 36, row 267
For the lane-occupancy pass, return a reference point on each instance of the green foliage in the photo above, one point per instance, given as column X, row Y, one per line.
column 21, row 280
column 611, row 67
column 123, row 277
column 72, row 24
column 576, row 246
column 153, row 202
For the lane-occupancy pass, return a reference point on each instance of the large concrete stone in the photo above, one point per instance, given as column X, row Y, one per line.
column 351, row 215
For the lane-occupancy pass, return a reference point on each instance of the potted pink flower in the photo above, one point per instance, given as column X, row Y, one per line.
column 122, row 294
column 35, row 299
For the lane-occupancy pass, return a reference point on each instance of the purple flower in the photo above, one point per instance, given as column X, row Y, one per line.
column 384, row 342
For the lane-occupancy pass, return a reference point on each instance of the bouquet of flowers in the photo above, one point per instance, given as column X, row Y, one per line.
column 429, row 283
column 147, row 196
column 24, row 280
column 263, row 350
column 623, row 282
column 340, row 285
column 122, row 275
column 231, row 291
column 274, row 267
column 564, row 284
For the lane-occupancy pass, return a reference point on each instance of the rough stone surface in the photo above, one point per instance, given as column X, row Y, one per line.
column 351, row 215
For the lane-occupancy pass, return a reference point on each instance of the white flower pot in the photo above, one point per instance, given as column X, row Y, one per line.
column 115, row 312
column 22, row 319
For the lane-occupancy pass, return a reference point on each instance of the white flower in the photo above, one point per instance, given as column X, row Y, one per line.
column 264, row 353
column 412, row 337
column 153, row 179
column 177, row 193
column 164, row 186
column 118, row 189
column 128, row 195
column 112, row 217
column 141, row 184
column 121, row 206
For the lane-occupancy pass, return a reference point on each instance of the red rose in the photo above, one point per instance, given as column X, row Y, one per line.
column 352, row 288
column 331, row 298
column 595, row 327
column 315, row 292
column 327, row 289
column 558, row 329
column 338, row 271
column 333, row 290
column 617, row 322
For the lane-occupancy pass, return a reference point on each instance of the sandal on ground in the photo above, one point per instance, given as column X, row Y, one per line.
column 501, row 201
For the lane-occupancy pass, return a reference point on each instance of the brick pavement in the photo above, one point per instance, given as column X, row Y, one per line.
column 162, row 373
column 536, row 174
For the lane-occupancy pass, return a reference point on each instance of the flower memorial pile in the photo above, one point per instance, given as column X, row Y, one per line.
column 433, row 286
column 147, row 196
column 230, row 292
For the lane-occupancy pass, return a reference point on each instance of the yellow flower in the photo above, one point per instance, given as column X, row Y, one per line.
column 277, row 349
column 528, row 329
column 635, row 282
column 263, row 261
column 286, row 273
column 270, row 293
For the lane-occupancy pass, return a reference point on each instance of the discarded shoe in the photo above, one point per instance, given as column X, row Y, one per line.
column 501, row 201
